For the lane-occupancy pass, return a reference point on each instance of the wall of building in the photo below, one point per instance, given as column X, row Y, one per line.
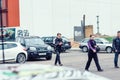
column 10, row 13
column 88, row 30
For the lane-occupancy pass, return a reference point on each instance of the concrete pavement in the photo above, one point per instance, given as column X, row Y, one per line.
column 77, row 59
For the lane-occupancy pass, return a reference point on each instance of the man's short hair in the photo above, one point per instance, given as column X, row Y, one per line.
column 91, row 35
column 58, row 34
column 118, row 32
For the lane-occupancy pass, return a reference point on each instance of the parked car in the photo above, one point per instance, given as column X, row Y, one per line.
column 36, row 48
column 50, row 40
column 13, row 51
column 103, row 44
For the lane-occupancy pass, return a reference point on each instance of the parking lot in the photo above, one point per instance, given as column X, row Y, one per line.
column 77, row 59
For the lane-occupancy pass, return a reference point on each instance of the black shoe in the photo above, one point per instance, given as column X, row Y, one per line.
column 55, row 64
column 116, row 66
column 61, row 64
column 100, row 70
column 86, row 70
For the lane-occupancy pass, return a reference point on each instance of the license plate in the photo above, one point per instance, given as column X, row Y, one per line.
column 42, row 53
column 67, row 44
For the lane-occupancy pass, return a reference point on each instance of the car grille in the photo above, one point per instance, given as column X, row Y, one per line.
column 42, row 49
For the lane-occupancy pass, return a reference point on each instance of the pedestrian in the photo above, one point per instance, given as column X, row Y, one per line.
column 92, row 54
column 58, row 47
column 116, row 48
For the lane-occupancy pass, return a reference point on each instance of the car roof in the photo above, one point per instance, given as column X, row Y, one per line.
column 28, row 37
column 9, row 42
column 48, row 36
column 103, row 39
column 52, row 36
column 95, row 38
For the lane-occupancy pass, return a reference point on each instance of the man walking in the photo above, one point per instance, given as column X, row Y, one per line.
column 116, row 48
column 92, row 54
column 58, row 45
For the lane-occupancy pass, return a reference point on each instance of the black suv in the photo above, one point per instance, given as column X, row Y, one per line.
column 50, row 40
column 36, row 48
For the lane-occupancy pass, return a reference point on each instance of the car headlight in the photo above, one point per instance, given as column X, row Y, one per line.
column 33, row 48
column 49, row 48
column 66, row 44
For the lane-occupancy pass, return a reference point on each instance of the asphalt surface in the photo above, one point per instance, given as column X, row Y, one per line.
column 77, row 59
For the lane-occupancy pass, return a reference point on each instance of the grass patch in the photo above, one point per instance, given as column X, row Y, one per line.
column 110, row 39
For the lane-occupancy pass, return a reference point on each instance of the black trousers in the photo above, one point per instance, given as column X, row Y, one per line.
column 116, row 59
column 57, row 60
column 91, row 56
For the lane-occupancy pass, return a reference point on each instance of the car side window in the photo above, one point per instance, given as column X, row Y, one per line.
column 11, row 45
column 0, row 46
column 98, row 41
column 8, row 46
column 48, row 39
column 43, row 39
column 85, row 40
column 5, row 46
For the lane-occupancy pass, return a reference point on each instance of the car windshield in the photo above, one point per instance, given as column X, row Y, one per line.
column 65, row 39
column 34, row 41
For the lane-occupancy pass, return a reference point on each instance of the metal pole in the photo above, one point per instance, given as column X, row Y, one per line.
column 84, row 26
column 2, row 37
column 98, row 25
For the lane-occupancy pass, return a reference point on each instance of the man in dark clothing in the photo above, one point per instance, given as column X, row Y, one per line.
column 116, row 48
column 92, row 53
column 58, row 45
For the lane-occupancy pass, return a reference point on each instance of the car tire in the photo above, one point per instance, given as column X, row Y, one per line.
column 21, row 58
column 85, row 49
column 48, row 57
column 109, row 49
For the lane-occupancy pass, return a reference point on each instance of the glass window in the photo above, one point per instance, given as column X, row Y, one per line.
column 34, row 41
column 5, row 46
column 85, row 40
column 43, row 38
column 8, row 46
column 11, row 45
column 98, row 41
column 48, row 39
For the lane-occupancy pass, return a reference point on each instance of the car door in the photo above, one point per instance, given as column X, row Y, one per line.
column 1, row 52
column 10, row 51
column 100, row 44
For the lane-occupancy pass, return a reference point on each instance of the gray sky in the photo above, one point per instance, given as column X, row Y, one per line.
column 47, row 17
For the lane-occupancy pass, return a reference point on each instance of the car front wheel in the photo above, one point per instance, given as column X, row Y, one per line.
column 85, row 49
column 109, row 50
column 21, row 58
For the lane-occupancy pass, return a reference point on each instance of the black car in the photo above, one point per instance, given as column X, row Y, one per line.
column 50, row 40
column 36, row 48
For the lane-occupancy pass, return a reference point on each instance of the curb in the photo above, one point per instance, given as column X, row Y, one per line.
column 75, row 49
